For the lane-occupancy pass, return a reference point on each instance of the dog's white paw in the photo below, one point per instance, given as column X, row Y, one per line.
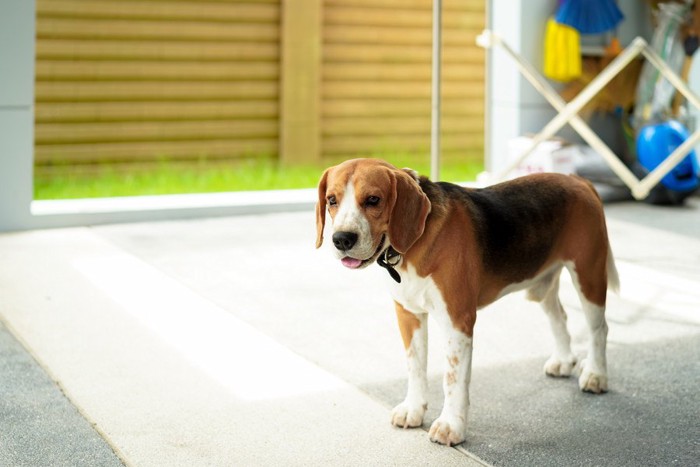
column 449, row 431
column 592, row 381
column 408, row 415
column 560, row 367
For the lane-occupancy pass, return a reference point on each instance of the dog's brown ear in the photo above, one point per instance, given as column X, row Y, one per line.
column 321, row 208
column 411, row 209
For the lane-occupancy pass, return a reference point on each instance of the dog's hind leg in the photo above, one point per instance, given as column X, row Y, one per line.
column 591, row 289
column 546, row 292
column 594, row 373
column 414, row 332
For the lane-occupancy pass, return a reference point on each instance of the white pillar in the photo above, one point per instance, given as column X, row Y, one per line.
column 515, row 107
column 17, row 33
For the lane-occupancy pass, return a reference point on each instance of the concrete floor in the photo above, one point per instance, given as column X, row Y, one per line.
column 233, row 341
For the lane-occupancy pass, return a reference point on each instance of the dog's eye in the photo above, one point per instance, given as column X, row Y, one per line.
column 372, row 201
column 332, row 201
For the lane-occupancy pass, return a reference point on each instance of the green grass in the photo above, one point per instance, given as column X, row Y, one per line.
column 64, row 182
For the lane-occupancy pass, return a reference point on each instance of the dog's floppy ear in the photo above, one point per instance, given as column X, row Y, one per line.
column 411, row 209
column 321, row 208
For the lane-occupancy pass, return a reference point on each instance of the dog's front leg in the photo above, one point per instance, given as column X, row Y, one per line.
column 451, row 427
column 414, row 332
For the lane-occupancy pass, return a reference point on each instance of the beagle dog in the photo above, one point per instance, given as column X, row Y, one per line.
column 451, row 250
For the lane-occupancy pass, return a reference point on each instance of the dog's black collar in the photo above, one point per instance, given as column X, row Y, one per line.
column 388, row 259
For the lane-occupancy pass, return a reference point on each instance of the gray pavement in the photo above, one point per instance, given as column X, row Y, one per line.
column 258, row 281
column 38, row 424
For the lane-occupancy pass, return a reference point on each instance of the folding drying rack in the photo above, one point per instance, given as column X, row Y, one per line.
column 568, row 113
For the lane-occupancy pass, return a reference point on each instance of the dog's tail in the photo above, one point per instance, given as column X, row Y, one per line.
column 613, row 277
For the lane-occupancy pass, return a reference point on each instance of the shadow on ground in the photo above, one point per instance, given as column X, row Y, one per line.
column 519, row 417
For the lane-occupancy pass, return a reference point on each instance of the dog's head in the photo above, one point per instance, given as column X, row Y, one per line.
column 372, row 205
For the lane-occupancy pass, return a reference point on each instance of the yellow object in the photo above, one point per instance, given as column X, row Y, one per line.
column 562, row 52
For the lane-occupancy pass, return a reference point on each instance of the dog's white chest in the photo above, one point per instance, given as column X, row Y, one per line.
column 416, row 294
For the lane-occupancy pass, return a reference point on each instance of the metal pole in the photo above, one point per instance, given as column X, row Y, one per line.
column 435, row 93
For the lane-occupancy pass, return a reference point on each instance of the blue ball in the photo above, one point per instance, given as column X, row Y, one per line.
column 656, row 142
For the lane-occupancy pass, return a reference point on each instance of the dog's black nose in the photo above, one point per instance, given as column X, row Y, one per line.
column 344, row 240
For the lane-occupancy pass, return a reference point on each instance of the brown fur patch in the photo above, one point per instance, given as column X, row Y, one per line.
column 408, row 324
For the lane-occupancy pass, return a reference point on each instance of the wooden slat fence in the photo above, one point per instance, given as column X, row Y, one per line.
column 133, row 81
column 128, row 81
column 376, row 77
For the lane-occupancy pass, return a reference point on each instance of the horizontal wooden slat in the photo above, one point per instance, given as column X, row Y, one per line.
column 60, row 49
column 189, row 166
column 447, row 5
column 377, row 145
column 112, row 152
column 362, row 53
column 398, row 125
column 130, row 29
column 341, row 34
column 67, row 112
column 58, row 70
column 416, row 158
column 398, row 17
column 124, row 91
column 349, row 89
column 64, row 133
column 401, row 72
column 361, row 108
column 172, row 10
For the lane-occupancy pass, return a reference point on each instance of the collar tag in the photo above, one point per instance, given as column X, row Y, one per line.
column 385, row 261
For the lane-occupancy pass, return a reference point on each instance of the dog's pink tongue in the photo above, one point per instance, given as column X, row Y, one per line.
column 351, row 263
